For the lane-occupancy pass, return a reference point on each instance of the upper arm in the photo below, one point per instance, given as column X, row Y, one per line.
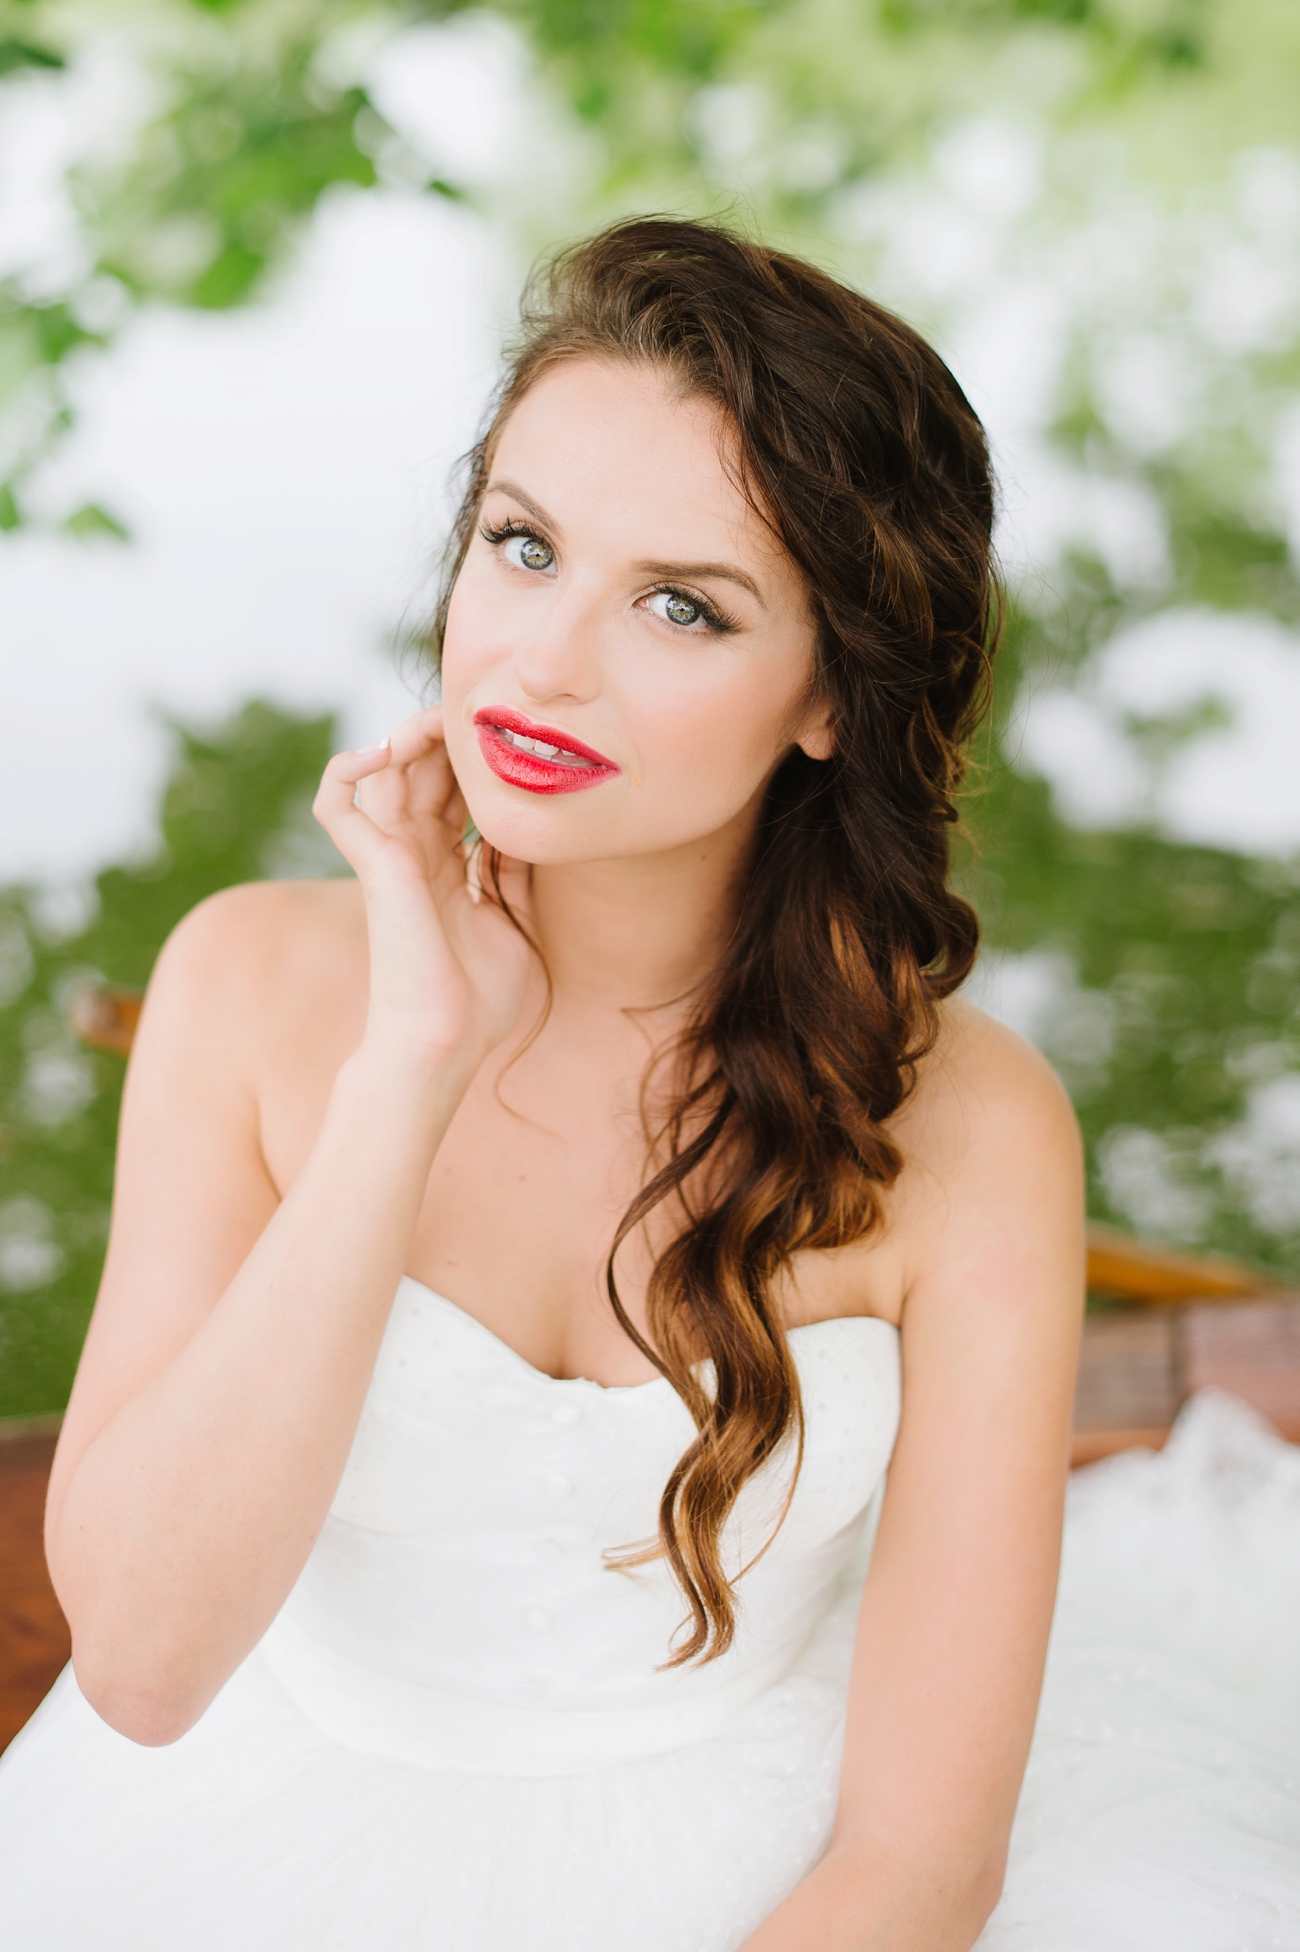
column 191, row 1191
column 958, row 1603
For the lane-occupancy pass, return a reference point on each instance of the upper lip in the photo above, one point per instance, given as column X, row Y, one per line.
column 550, row 735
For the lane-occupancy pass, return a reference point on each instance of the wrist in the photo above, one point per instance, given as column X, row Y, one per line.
column 393, row 1072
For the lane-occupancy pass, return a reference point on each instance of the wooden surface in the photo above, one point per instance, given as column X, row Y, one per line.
column 1128, row 1372
column 34, row 1641
column 105, row 1018
column 1137, row 1270
column 1138, row 1364
column 1253, row 1350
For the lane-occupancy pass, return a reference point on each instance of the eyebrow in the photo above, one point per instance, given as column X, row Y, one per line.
column 665, row 572
column 517, row 494
column 691, row 572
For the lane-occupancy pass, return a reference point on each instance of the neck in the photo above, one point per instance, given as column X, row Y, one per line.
column 641, row 932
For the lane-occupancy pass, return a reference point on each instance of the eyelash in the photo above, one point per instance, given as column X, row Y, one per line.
column 717, row 620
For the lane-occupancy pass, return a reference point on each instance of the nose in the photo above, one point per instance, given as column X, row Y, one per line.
column 560, row 658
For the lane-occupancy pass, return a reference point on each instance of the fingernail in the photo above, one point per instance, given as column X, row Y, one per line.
column 368, row 752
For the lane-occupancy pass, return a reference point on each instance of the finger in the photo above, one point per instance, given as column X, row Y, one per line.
column 348, row 825
column 417, row 735
column 414, row 737
column 433, row 791
column 360, row 763
column 419, row 781
column 429, row 817
column 449, row 861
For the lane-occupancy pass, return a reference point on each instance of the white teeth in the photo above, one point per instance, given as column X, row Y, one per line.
column 536, row 746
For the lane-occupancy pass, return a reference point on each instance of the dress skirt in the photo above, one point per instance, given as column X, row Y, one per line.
column 1160, row 1812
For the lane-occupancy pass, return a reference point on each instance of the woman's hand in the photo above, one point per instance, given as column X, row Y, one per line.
column 448, row 970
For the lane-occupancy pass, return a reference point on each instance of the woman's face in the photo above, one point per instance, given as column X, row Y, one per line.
column 624, row 608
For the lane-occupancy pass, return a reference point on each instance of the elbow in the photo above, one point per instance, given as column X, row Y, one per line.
column 150, row 1716
column 986, row 1890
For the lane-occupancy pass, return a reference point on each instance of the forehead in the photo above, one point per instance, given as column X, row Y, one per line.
column 619, row 450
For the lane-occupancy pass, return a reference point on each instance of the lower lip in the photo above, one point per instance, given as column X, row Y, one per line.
column 534, row 774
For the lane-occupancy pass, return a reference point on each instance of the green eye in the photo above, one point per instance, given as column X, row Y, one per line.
column 529, row 552
column 676, row 608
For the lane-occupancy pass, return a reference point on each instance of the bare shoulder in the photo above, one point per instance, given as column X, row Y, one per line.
column 991, row 1170
column 982, row 1082
column 260, row 923
column 989, row 1138
column 260, row 961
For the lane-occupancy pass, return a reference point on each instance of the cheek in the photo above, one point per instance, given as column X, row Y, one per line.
column 479, row 633
column 469, row 633
column 719, row 732
column 467, row 656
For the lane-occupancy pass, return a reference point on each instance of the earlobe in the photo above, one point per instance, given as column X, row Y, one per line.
column 818, row 742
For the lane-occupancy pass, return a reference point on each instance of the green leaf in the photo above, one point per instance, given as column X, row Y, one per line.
column 91, row 520
column 229, row 278
column 16, row 54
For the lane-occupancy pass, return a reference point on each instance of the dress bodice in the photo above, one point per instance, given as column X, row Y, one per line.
column 458, row 1608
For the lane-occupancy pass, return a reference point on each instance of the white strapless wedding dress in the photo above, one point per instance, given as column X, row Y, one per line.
column 456, row 1736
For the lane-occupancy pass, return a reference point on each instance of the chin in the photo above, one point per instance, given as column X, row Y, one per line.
column 543, row 833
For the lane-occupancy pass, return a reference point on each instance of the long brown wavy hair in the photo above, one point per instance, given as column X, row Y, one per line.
column 855, row 443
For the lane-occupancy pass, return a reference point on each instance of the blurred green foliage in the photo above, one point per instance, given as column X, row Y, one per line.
column 1170, row 983
column 259, row 107
column 1167, row 976
column 235, row 809
column 218, row 182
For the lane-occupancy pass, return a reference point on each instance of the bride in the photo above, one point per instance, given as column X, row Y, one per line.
column 529, row 1255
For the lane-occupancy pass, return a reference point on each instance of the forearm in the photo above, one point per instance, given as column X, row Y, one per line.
column 193, row 1510
column 863, row 1898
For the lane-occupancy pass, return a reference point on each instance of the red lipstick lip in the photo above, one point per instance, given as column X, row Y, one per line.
column 530, row 770
column 550, row 735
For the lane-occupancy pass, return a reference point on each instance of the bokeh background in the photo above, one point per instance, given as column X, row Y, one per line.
column 256, row 259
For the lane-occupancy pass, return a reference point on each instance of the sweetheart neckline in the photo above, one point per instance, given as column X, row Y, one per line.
column 588, row 1382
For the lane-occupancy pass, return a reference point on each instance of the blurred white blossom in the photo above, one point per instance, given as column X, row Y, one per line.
column 1260, row 1156
column 1233, row 780
column 29, row 1255
column 1150, row 1181
column 1038, row 994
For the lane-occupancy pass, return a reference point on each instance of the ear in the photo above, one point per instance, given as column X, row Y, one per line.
column 817, row 736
